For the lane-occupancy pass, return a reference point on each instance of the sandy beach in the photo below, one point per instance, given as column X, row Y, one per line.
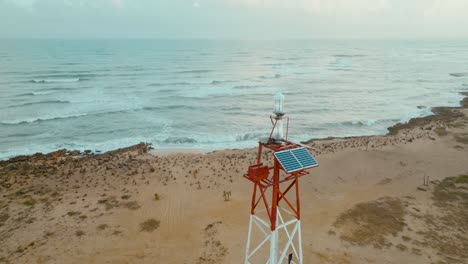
column 366, row 203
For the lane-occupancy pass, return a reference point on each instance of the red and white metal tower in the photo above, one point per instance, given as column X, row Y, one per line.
column 275, row 212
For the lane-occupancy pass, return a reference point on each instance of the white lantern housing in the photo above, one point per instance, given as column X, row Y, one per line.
column 278, row 133
column 279, row 102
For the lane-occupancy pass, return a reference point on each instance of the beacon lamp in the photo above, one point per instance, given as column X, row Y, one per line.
column 278, row 133
column 279, row 102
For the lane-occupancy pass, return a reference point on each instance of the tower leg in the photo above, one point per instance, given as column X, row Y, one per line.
column 273, row 247
column 291, row 242
column 247, row 247
column 264, row 228
column 299, row 241
column 292, row 246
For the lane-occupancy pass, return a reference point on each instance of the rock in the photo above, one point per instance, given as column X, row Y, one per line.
column 423, row 188
column 19, row 158
column 435, row 181
column 37, row 156
column 74, row 153
column 58, row 153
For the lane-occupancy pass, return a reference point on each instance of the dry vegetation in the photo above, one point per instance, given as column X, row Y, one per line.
column 69, row 191
column 79, row 233
column 369, row 223
column 444, row 229
column 3, row 218
column 462, row 138
column 102, row 226
column 441, row 131
column 214, row 251
column 149, row 225
column 447, row 232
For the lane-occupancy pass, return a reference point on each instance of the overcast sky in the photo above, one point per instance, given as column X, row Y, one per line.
column 233, row 19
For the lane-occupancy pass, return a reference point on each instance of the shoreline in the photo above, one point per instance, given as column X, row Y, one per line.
column 440, row 114
column 366, row 201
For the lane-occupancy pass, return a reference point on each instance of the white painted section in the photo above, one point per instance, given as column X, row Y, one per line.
column 247, row 247
column 276, row 256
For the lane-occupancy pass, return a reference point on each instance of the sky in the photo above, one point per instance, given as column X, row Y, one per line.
column 234, row 19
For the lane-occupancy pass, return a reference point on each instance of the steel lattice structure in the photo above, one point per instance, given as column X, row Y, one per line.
column 280, row 223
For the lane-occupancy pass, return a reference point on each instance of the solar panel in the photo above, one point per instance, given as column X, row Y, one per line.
column 295, row 159
column 288, row 161
column 304, row 157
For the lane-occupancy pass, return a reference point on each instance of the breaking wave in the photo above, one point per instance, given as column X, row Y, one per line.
column 64, row 117
column 41, row 102
column 169, row 107
column 43, row 92
column 276, row 76
column 369, row 122
column 459, row 74
column 169, row 84
column 38, row 120
column 56, row 89
column 179, row 140
column 193, row 71
column 62, row 78
column 249, row 136
column 349, row 55
column 25, row 94
column 69, row 80
column 241, row 87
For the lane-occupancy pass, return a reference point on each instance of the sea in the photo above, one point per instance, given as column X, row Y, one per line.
column 101, row 95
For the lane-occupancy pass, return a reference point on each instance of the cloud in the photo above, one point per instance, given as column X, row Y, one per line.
column 96, row 4
column 322, row 7
column 447, row 9
column 26, row 4
column 119, row 4
column 235, row 18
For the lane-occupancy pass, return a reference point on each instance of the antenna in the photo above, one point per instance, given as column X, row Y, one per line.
column 274, row 214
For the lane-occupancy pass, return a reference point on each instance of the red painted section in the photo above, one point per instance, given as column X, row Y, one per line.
column 259, row 175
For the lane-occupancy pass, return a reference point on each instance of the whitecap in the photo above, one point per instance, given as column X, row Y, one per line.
column 249, row 136
column 40, row 119
column 179, row 140
column 459, row 74
column 276, row 76
column 56, row 80
column 193, row 71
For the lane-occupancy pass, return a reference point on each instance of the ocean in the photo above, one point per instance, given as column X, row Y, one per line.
column 206, row 94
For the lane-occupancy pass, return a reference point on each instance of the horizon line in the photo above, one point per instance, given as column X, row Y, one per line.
column 235, row 38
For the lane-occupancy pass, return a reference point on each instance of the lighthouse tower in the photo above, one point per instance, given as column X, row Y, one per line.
column 274, row 235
